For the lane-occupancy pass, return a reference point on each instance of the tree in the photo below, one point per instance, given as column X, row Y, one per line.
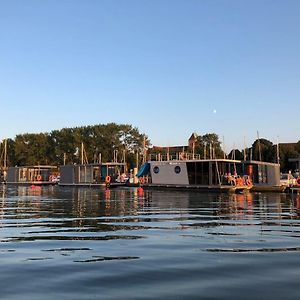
column 236, row 154
column 110, row 140
column 264, row 150
column 209, row 146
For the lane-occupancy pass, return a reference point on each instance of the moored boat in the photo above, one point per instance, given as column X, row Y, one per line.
column 221, row 175
column 32, row 175
column 93, row 175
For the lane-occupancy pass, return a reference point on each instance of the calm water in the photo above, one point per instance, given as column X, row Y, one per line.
column 59, row 243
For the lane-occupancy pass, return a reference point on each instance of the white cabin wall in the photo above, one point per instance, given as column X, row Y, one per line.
column 167, row 175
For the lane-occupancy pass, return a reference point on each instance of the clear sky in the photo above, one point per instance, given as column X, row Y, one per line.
column 167, row 67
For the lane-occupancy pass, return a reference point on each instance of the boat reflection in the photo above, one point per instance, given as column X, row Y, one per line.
column 83, row 206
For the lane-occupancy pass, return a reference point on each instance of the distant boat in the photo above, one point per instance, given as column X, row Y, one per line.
column 221, row 175
column 96, row 174
column 32, row 175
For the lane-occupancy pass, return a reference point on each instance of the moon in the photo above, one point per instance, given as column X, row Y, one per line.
column 214, row 111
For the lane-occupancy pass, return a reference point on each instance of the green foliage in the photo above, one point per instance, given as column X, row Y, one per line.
column 209, row 145
column 264, row 150
column 65, row 144
column 236, row 154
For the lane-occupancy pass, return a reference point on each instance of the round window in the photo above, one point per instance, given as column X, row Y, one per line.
column 177, row 169
column 156, row 169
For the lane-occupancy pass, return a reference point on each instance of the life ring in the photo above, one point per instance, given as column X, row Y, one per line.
column 107, row 179
column 39, row 178
column 142, row 180
column 298, row 180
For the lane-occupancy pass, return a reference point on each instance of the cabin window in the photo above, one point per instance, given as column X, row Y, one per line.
column 156, row 169
column 198, row 172
column 177, row 169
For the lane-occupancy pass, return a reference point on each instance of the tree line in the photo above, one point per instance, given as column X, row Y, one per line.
column 105, row 142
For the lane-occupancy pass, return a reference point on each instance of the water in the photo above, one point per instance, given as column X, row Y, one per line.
column 60, row 243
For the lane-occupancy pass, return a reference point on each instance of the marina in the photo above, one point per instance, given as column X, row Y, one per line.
column 148, row 150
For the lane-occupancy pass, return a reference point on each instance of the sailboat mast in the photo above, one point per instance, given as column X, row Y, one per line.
column 5, row 154
column 82, row 153
column 278, row 158
column 244, row 148
column 259, row 150
column 224, row 148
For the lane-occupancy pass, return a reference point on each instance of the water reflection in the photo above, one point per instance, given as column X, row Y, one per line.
column 129, row 236
column 53, row 213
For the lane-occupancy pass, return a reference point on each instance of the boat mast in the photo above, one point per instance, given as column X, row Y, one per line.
column 84, row 159
column 144, row 149
column 5, row 154
column 278, row 158
column 245, row 148
column 259, row 150
column 224, row 148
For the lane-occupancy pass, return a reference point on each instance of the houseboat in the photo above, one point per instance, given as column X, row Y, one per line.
column 32, row 175
column 221, row 175
column 265, row 176
column 205, row 175
column 98, row 174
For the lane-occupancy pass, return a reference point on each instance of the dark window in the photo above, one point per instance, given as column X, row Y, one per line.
column 198, row 173
column 177, row 169
column 156, row 169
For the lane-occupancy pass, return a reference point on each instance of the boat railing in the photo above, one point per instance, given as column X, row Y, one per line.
column 176, row 156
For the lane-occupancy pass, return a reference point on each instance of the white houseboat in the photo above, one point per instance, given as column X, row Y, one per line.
column 212, row 175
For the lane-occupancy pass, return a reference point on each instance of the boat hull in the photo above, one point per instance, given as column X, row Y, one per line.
column 267, row 188
column 28, row 183
column 91, row 185
column 200, row 188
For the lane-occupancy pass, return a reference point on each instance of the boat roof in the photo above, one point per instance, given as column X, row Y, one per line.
column 197, row 160
column 257, row 162
column 99, row 164
column 254, row 162
column 37, row 167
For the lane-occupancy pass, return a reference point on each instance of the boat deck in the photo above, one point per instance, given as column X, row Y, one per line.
column 37, row 183
column 202, row 188
column 90, row 185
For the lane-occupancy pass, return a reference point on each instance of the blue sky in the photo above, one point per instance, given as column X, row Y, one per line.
column 167, row 67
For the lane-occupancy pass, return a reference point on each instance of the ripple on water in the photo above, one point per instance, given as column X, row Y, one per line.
column 90, row 243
